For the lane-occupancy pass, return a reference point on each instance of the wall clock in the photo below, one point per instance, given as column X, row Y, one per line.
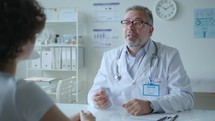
column 166, row 9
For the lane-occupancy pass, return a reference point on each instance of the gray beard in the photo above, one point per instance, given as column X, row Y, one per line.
column 135, row 44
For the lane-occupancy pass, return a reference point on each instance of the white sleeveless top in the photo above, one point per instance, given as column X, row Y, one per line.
column 21, row 100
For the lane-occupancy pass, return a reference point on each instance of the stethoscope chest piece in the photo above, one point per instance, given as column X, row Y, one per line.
column 117, row 77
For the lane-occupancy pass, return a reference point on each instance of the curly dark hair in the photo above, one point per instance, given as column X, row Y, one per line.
column 20, row 21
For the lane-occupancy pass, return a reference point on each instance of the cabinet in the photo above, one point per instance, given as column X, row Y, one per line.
column 60, row 48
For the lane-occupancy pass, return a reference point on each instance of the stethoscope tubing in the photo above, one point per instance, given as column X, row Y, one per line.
column 117, row 76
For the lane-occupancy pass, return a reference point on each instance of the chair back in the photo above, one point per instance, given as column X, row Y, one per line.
column 65, row 92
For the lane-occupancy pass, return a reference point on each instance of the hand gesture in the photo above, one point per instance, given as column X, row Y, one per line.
column 100, row 99
column 138, row 107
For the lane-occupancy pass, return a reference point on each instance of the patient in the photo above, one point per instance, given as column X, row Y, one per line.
column 20, row 21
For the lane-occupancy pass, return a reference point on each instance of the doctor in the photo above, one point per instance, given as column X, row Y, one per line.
column 142, row 76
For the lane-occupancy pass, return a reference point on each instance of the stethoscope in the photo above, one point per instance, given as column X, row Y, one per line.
column 117, row 76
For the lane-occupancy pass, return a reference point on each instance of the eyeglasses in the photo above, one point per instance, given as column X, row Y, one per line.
column 136, row 23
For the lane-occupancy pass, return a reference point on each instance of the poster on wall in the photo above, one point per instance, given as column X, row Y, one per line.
column 102, row 38
column 204, row 23
column 106, row 12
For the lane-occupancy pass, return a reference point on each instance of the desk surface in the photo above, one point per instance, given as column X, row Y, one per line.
column 119, row 114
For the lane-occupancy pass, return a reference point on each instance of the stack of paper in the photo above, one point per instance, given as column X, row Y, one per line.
column 45, row 83
column 45, row 79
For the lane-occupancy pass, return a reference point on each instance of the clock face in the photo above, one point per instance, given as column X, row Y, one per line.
column 166, row 9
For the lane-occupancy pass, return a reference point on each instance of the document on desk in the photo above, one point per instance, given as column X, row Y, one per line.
column 144, row 118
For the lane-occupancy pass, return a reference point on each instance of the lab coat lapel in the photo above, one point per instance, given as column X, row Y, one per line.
column 145, row 64
column 123, row 71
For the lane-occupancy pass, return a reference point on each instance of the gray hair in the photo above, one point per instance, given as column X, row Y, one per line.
column 147, row 12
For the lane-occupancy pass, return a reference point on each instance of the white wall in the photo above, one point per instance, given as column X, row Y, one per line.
column 197, row 54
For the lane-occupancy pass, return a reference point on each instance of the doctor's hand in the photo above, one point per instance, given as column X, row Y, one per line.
column 83, row 116
column 101, row 100
column 138, row 107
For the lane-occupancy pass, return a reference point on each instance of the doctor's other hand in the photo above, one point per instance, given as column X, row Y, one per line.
column 87, row 116
column 100, row 99
column 138, row 107
column 75, row 117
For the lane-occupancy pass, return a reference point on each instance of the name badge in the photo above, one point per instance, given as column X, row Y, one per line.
column 151, row 89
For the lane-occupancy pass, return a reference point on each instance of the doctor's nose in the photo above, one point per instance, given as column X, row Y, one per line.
column 130, row 27
column 129, row 30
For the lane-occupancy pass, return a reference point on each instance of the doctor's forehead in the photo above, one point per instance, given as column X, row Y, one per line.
column 135, row 14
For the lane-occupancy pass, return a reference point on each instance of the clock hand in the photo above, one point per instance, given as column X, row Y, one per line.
column 168, row 7
column 164, row 8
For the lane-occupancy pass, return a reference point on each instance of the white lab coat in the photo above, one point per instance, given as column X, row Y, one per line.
column 175, row 88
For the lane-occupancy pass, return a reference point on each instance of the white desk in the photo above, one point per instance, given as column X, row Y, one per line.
column 119, row 114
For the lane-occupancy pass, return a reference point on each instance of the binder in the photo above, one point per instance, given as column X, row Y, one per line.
column 56, row 57
column 80, row 58
column 35, row 63
column 68, row 58
column 52, row 58
column 64, row 58
column 46, row 59
column 73, row 58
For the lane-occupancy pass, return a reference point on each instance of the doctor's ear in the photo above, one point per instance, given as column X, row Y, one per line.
column 151, row 30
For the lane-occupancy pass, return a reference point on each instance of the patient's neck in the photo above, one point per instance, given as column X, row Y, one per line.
column 8, row 67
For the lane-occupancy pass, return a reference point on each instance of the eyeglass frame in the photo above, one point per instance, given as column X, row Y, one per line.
column 132, row 22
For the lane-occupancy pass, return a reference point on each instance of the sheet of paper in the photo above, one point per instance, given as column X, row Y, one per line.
column 39, row 79
column 102, row 38
column 144, row 118
column 204, row 25
column 106, row 11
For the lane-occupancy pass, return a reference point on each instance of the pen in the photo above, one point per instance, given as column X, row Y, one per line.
column 162, row 119
column 150, row 80
column 173, row 118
